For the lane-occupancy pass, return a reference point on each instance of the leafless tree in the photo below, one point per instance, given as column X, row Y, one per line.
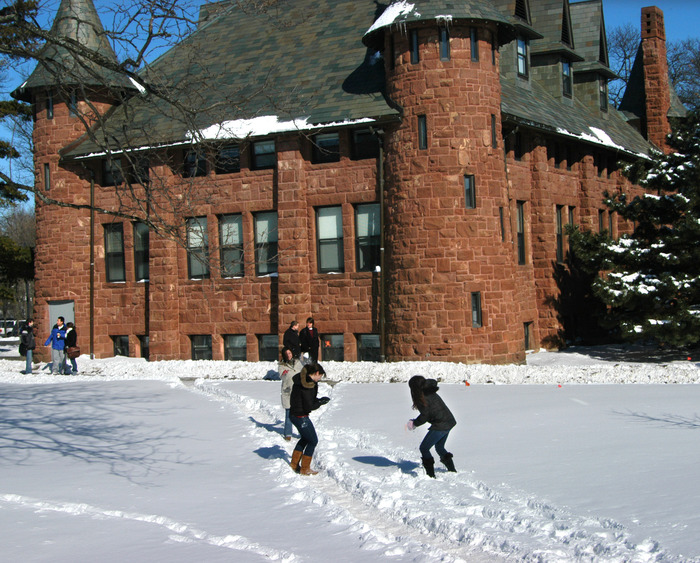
column 138, row 31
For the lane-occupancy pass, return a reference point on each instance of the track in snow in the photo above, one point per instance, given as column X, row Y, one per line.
column 453, row 518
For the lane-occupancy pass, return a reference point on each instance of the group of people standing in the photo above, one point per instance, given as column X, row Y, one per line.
column 304, row 343
column 300, row 373
column 63, row 339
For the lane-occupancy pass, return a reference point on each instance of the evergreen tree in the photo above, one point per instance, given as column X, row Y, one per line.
column 651, row 278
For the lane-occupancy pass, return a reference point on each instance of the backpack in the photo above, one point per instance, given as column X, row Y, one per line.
column 22, row 349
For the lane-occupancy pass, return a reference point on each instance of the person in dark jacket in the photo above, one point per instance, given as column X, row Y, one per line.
column 71, row 341
column 309, row 340
column 432, row 409
column 303, row 400
column 28, row 343
column 291, row 339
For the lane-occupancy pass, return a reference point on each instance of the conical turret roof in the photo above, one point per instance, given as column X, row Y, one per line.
column 76, row 20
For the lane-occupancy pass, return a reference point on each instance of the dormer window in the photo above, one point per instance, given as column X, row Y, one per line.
column 567, row 89
column 522, row 57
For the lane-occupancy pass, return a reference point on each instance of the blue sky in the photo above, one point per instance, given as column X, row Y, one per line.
column 681, row 17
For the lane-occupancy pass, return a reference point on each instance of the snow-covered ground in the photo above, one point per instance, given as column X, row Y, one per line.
column 584, row 455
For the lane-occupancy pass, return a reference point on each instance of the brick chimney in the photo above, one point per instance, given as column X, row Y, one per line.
column 656, row 82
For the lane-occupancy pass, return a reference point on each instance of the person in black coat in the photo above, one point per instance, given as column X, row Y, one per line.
column 27, row 344
column 309, row 340
column 291, row 339
column 303, row 400
column 432, row 409
column 71, row 341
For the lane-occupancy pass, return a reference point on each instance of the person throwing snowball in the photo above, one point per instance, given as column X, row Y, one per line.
column 432, row 409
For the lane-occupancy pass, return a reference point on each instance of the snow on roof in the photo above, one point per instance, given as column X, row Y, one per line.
column 263, row 125
column 138, row 86
column 395, row 13
column 597, row 136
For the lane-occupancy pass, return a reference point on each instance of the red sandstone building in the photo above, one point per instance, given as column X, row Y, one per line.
column 403, row 176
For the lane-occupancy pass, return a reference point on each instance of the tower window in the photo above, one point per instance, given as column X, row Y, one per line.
column 422, row 132
column 474, row 39
column 521, row 232
column 477, row 321
column 469, row 192
column 444, row 44
column 415, row 54
column 49, row 105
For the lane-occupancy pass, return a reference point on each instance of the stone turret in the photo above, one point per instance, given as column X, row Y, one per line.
column 450, row 271
column 68, row 90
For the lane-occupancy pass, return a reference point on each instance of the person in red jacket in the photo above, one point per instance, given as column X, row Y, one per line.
column 302, row 401
column 432, row 409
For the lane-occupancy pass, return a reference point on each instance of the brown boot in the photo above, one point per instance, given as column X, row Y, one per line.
column 306, row 466
column 296, row 458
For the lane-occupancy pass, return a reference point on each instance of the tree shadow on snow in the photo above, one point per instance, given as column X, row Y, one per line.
column 92, row 425
column 671, row 420
column 378, row 461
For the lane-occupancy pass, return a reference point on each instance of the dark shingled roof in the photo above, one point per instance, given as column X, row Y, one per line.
column 309, row 63
column 76, row 20
column 535, row 108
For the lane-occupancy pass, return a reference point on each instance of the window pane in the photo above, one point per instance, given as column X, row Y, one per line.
column 141, row 252
column 265, row 243
column 201, row 347
column 264, row 155
column 112, row 174
column 415, row 54
column 369, row 348
column 197, row 248
column 231, row 245
column 235, row 347
column 476, row 310
column 228, row 160
column 368, row 236
column 114, row 252
column 333, row 348
column 326, row 148
column 364, row 144
column 444, row 44
column 121, row 345
column 469, row 192
column 330, row 223
column 422, row 132
column 145, row 350
column 329, row 226
column 268, row 347
column 195, row 164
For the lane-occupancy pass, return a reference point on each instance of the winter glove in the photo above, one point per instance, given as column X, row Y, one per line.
column 410, row 425
column 324, row 400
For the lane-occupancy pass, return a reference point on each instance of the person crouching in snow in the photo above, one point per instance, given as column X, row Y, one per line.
column 288, row 367
column 302, row 401
column 432, row 409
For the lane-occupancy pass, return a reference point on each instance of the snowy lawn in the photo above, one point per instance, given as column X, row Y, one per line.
column 184, row 461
